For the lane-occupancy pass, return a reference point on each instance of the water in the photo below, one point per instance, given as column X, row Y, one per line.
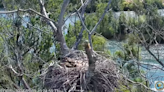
column 149, row 65
column 132, row 14
column 70, row 21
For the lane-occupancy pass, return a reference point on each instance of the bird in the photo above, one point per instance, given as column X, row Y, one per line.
column 89, row 52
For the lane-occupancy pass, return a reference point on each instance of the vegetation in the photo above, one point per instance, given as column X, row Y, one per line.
column 25, row 48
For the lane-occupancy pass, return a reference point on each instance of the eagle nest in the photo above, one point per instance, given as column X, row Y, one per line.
column 70, row 74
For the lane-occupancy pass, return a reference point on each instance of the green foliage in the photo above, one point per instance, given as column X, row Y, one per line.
column 23, row 4
column 138, row 7
column 54, row 7
column 135, row 5
column 122, row 24
column 100, row 7
column 107, row 26
column 127, row 5
column 91, row 21
column 99, row 43
column 127, row 56
column 130, row 52
column 120, row 54
column 34, row 44
column 132, row 40
column 73, row 32
column 155, row 3
column 117, row 5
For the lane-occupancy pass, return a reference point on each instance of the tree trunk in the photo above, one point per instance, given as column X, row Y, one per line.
column 63, row 46
column 57, row 28
column 60, row 37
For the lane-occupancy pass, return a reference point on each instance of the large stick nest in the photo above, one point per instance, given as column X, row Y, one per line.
column 73, row 78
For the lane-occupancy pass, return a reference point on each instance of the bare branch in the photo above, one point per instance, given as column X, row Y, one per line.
column 147, row 64
column 19, row 75
column 82, row 18
column 138, row 84
column 82, row 22
column 25, row 83
column 53, row 26
column 159, row 61
column 147, row 48
column 69, row 16
column 90, row 40
column 15, row 72
column 95, row 27
column 82, row 3
column 105, row 11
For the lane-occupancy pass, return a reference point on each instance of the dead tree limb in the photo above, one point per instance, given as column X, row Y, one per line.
column 19, row 75
column 82, row 17
column 95, row 27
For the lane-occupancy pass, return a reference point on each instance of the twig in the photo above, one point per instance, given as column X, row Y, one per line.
column 19, row 75
column 138, row 84
column 101, row 18
column 82, row 22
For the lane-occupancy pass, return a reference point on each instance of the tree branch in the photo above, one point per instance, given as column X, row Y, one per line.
column 138, row 84
column 147, row 48
column 19, row 75
column 58, row 28
column 105, row 11
column 82, row 18
column 82, row 22
column 53, row 26
column 95, row 27
column 160, row 62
